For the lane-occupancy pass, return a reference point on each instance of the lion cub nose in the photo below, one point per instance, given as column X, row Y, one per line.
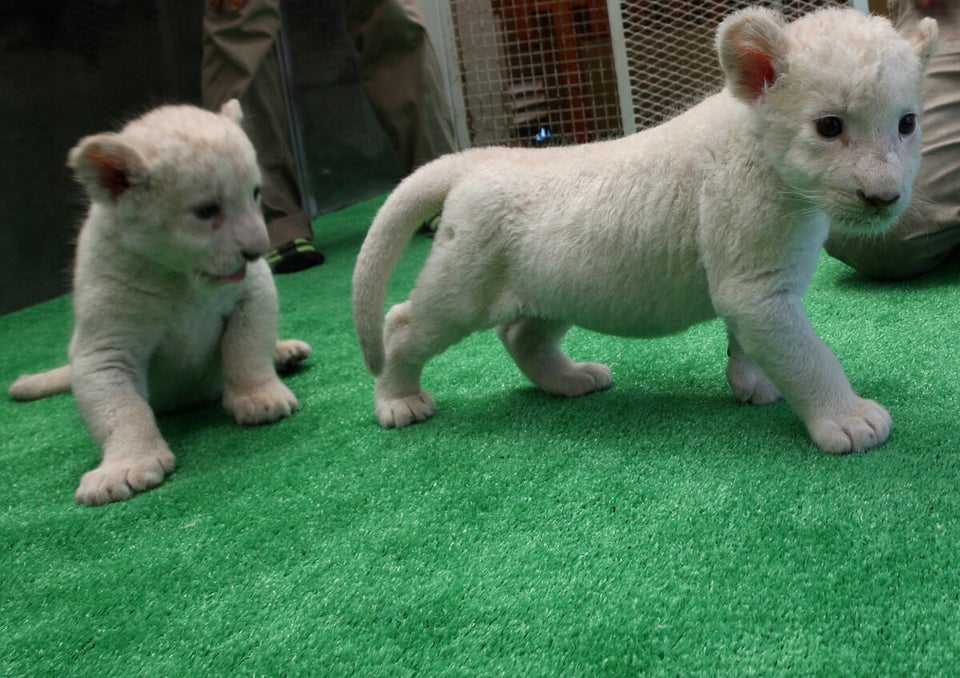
column 877, row 200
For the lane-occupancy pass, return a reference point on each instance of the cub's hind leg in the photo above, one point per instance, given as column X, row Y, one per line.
column 534, row 344
column 410, row 340
column 289, row 352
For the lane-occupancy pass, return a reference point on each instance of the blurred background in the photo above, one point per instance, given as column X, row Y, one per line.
column 519, row 72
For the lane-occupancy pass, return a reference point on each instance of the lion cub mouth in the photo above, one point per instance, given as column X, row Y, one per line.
column 234, row 277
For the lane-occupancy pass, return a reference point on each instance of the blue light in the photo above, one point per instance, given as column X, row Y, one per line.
column 543, row 134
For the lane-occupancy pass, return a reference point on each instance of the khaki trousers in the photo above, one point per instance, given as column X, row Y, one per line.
column 241, row 59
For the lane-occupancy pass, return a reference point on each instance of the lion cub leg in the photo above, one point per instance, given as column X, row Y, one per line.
column 135, row 456
column 534, row 344
column 397, row 396
column 745, row 377
column 289, row 352
column 252, row 391
column 813, row 382
column 412, row 336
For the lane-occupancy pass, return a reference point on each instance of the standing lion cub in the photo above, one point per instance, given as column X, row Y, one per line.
column 719, row 212
column 173, row 304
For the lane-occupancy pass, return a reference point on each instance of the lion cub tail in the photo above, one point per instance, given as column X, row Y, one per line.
column 36, row 386
column 415, row 200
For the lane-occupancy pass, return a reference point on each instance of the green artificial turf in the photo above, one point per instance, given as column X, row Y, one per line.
column 657, row 527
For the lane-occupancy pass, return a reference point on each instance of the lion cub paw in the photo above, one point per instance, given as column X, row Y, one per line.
column 575, row 380
column 289, row 352
column 400, row 412
column 261, row 404
column 750, row 384
column 868, row 425
column 121, row 478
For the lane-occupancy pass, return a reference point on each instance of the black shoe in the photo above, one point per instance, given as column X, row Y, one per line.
column 294, row 256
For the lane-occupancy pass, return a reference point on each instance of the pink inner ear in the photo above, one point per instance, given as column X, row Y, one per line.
column 757, row 72
column 111, row 173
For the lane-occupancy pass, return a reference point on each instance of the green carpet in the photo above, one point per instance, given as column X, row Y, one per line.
column 658, row 527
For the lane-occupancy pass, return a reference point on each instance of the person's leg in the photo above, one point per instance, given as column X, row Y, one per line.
column 240, row 60
column 402, row 78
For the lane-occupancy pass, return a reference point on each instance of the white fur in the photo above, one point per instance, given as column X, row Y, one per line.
column 719, row 212
column 172, row 302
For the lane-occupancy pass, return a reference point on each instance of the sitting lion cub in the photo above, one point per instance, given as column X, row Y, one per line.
column 719, row 212
column 172, row 300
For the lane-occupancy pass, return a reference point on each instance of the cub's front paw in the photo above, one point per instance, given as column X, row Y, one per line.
column 866, row 425
column 750, row 384
column 117, row 479
column 400, row 412
column 261, row 404
column 577, row 379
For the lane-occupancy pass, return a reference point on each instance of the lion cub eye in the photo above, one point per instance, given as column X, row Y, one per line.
column 829, row 126
column 908, row 124
column 207, row 210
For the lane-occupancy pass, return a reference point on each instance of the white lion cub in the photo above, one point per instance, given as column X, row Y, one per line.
column 719, row 212
column 173, row 303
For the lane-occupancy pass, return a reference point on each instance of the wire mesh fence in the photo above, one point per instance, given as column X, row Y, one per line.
column 540, row 72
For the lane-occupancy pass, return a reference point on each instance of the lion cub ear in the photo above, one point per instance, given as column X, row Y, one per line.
column 107, row 167
column 925, row 38
column 752, row 45
column 231, row 111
